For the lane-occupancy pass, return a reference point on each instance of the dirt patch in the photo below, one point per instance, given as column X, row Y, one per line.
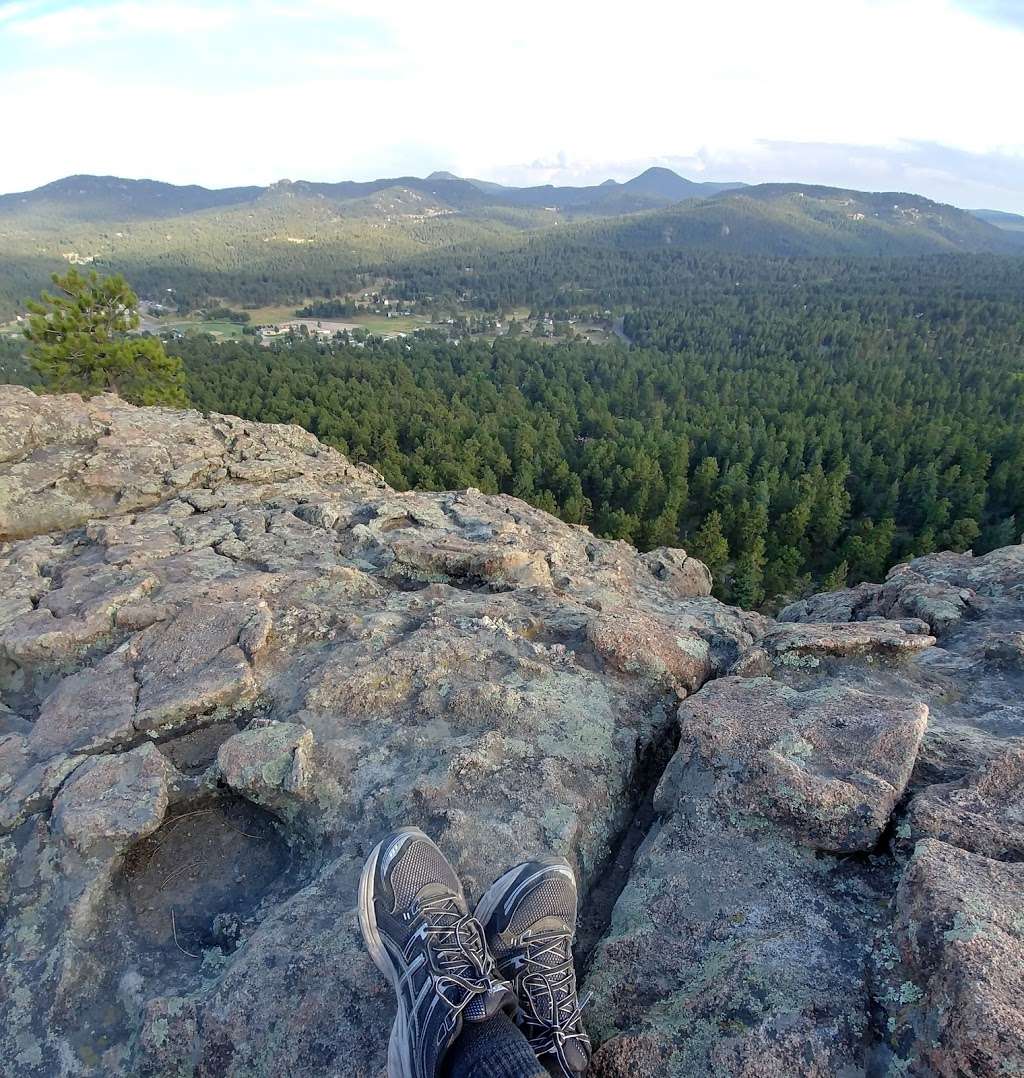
column 198, row 882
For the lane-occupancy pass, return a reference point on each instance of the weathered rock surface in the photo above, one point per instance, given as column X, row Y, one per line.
column 982, row 812
column 973, row 679
column 807, row 646
column 748, row 949
column 960, row 934
column 230, row 659
column 684, row 575
column 828, row 764
column 67, row 461
column 113, row 800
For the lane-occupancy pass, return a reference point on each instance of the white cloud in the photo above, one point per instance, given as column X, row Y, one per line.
column 62, row 27
column 341, row 88
column 12, row 11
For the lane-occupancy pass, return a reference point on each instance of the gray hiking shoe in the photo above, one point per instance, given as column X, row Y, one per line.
column 418, row 930
column 529, row 918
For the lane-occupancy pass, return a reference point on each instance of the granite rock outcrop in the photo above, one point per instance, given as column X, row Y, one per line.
column 230, row 659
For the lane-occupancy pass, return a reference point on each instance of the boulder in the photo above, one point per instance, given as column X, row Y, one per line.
column 684, row 576
column 650, row 648
column 280, row 767
column 982, row 813
column 960, row 932
column 89, row 711
column 113, row 800
column 798, row 642
column 27, row 784
column 197, row 663
column 828, row 764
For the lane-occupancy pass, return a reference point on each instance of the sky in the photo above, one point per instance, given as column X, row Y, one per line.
column 907, row 95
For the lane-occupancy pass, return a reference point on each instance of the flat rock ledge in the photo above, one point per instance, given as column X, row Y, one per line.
column 230, row 659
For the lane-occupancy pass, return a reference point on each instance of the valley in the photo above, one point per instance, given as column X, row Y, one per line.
column 803, row 385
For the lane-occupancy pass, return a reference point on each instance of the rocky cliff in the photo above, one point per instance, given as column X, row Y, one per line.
column 230, row 659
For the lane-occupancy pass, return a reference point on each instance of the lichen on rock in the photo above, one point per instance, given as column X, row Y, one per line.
column 230, row 659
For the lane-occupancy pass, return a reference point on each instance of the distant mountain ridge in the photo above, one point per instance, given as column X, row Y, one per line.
column 807, row 220
column 1012, row 222
column 92, row 198
column 771, row 218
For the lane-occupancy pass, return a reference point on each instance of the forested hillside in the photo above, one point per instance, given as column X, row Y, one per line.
column 598, row 266
column 296, row 241
column 787, row 423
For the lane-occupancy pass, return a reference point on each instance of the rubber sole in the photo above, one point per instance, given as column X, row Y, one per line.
column 399, row 1063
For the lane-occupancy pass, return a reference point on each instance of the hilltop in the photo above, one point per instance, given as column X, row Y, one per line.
column 110, row 199
column 230, row 659
column 812, row 221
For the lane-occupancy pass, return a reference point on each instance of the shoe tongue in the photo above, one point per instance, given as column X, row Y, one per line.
column 543, row 1006
column 497, row 998
column 431, row 891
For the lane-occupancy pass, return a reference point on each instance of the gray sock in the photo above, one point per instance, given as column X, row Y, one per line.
column 492, row 1049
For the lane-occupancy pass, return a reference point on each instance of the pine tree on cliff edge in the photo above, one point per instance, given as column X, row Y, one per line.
column 80, row 343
